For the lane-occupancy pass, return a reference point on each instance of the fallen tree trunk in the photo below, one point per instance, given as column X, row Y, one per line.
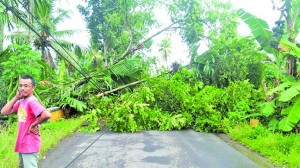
column 119, row 88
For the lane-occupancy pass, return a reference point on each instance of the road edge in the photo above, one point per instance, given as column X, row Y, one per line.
column 256, row 157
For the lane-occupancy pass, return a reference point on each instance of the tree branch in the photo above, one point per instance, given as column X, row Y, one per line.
column 139, row 46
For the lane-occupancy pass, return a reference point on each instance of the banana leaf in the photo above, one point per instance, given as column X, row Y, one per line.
column 268, row 108
column 259, row 28
column 287, row 81
column 293, row 117
column 290, row 93
column 293, row 49
column 204, row 57
column 294, row 14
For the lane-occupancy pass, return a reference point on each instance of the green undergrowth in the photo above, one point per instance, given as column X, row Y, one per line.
column 51, row 135
column 280, row 149
column 8, row 158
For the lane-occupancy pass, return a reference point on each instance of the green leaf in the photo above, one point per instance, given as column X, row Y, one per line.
column 289, row 79
column 279, row 88
column 47, row 69
column 268, row 108
column 2, row 9
column 295, row 15
column 289, row 122
column 126, row 67
column 293, row 48
column 62, row 70
column 286, row 111
column 289, row 94
column 259, row 29
column 203, row 58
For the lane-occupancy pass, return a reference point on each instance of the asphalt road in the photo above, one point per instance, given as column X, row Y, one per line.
column 146, row 149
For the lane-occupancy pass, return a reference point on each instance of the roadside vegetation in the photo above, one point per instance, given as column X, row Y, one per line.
column 280, row 149
column 118, row 82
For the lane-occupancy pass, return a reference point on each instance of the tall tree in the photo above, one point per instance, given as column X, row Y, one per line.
column 203, row 21
column 42, row 16
column 165, row 49
column 48, row 18
column 115, row 26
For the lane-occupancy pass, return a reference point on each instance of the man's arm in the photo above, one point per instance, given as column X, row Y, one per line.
column 8, row 108
column 44, row 116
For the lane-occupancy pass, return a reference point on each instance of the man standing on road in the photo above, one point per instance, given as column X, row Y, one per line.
column 30, row 114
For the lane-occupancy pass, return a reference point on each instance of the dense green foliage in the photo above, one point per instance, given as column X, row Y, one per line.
column 203, row 20
column 116, row 26
column 170, row 102
column 20, row 60
column 16, row 61
column 231, row 60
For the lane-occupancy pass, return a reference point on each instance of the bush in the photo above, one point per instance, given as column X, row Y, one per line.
column 207, row 109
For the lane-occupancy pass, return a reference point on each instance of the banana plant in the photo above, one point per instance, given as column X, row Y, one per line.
column 262, row 33
column 289, row 48
column 289, row 96
column 287, row 27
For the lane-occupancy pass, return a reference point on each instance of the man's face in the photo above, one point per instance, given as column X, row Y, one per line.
column 25, row 87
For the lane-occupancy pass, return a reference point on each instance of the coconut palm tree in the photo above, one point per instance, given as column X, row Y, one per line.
column 5, row 20
column 44, row 17
column 165, row 49
column 47, row 26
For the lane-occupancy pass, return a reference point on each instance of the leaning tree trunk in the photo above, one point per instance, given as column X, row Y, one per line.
column 44, row 55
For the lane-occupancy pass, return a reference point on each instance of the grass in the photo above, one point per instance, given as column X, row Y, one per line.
column 51, row 134
column 8, row 158
column 281, row 150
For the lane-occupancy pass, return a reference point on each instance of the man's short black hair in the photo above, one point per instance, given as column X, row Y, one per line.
column 29, row 77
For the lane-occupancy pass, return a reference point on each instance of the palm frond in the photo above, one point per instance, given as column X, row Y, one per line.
column 68, row 55
column 62, row 16
column 64, row 33
column 126, row 67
